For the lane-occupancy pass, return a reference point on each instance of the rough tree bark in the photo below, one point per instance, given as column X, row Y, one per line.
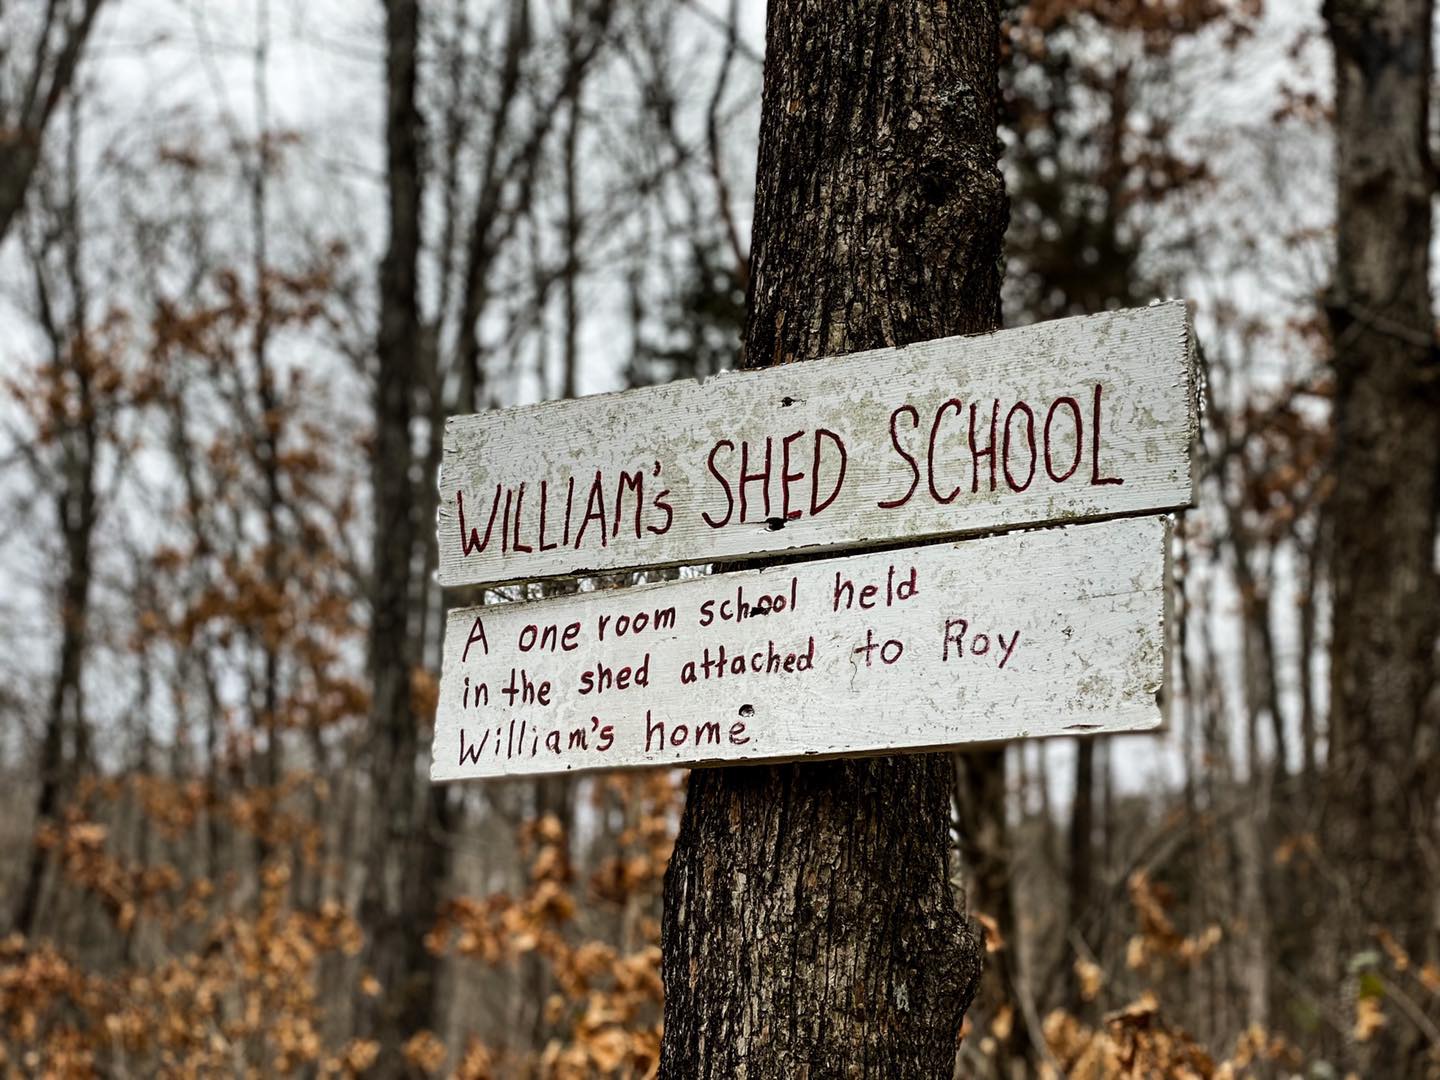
column 810, row 927
column 405, row 866
column 1382, row 772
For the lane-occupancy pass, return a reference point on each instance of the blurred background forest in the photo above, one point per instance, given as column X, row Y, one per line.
column 253, row 253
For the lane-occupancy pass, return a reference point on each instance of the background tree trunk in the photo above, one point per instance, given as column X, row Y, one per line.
column 810, row 925
column 77, row 511
column 406, row 866
column 1081, row 870
column 1382, row 768
column 987, row 847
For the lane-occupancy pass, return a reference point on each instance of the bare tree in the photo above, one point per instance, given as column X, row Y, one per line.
column 403, row 877
column 1385, row 723
column 30, row 94
column 76, row 429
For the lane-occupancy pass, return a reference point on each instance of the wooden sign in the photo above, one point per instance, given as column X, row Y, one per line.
column 1047, row 632
column 1065, row 421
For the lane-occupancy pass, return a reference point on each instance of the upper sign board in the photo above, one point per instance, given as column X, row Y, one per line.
column 1065, row 421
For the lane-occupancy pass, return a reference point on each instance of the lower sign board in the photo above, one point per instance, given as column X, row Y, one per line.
column 1048, row 632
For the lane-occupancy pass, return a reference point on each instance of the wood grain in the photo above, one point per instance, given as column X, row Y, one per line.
column 630, row 479
column 1076, row 615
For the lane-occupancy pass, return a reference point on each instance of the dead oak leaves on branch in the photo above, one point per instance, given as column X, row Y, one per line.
column 603, row 1013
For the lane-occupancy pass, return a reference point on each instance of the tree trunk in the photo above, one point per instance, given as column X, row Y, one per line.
column 1382, row 774
column 1081, row 870
column 570, row 169
column 982, row 788
column 77, row 512
column 405, row 866
column 810, row 926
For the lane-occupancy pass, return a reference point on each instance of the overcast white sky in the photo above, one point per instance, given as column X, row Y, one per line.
column 188, row 67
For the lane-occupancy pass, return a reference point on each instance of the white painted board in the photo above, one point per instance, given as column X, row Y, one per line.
column 1044, row 632
column 1066, row 421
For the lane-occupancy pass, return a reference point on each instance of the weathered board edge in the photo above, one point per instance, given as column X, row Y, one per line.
column 1192, row 398
column 809, row 551
column 1169, row 630
column 1168, row 635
